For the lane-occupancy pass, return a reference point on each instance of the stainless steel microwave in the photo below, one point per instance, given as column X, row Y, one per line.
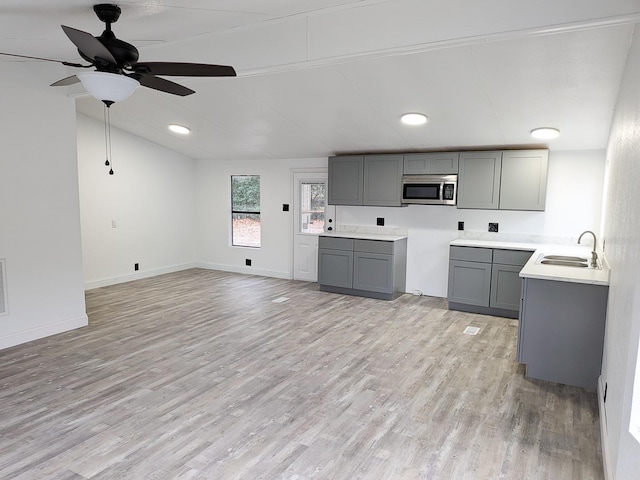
column 430, row 189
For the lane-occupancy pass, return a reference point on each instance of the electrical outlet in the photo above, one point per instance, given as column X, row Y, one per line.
column 493, row 227
column 460, row 225
column 285, row 207
column 136, row 267
column 247, row 262
column 380, row 221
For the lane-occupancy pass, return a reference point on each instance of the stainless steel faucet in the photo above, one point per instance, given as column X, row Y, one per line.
column 594, row 255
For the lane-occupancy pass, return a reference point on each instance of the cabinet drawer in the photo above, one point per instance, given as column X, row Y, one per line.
column 471, row 254
column 335, row 243
column 511, row 257
column 374, row 246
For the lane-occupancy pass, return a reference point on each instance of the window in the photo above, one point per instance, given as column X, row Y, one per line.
column 312, row 207
column 245, row 210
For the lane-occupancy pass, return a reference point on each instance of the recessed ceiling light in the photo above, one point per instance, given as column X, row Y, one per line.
column 179, row 129
column 545, row 133
column 414, row 119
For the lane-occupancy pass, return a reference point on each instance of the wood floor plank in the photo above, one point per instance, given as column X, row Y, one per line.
column 200, row 375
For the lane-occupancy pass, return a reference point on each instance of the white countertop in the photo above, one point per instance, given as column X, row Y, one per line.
column 532, row 269
column 465, row 242
column 365, row 236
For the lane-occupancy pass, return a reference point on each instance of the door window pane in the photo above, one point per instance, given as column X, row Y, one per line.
column 312, row 207
column 245, row 210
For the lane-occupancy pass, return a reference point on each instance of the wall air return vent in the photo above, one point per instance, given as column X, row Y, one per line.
column 3, row 287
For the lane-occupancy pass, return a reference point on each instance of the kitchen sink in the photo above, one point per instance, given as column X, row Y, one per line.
column 564, row 263
column 565, row 258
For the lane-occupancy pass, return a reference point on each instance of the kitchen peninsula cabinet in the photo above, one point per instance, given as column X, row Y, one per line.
column 485, row 280
column 561, row 331
column 362, row 266
column 505, row 180
column 365, row 180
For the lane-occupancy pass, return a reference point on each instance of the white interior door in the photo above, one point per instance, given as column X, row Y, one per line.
column 309, row 221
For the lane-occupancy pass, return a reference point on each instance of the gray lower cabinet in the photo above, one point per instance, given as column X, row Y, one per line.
column 561, row 331
column 485, row 280
column 369, row 268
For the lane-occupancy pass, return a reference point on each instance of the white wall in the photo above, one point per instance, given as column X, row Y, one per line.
column 274, row 258
column 622, row 231
column 39, row 212
column 150, row 197
column 574, row 196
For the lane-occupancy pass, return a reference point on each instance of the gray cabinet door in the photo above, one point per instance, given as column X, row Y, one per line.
column 469, row 283
column 416, row 164
column 479, row 180
column 335, row 268
column 383, row 180
column 345, row 180
column 431, row 163
column 505, row 286
column 524, row 180
column 444, row 163
column 373, row 272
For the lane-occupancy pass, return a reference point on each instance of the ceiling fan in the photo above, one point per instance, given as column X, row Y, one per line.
column 117, row 70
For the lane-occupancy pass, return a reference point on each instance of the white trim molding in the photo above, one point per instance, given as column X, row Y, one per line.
column 604, row 437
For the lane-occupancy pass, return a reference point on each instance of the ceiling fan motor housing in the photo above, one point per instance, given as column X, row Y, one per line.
column 107, row 12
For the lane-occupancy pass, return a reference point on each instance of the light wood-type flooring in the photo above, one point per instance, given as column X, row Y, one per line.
column 202, row 375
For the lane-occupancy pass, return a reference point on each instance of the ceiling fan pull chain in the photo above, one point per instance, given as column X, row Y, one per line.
column 109, row 138
column 106, row 148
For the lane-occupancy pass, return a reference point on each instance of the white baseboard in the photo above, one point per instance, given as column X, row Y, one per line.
column 604, row 437
column 42, row 331
column 137, row 276
column 246, row 270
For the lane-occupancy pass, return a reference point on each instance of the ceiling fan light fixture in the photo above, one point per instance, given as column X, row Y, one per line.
column 180, row 129
column 545, row 133
column 413, row 118
column 108, row 87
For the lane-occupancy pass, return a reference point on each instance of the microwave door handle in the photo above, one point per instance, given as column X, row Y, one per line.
column 441, row 191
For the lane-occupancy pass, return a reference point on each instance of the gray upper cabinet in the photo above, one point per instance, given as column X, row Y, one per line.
column 365, row 180
column 431, row 163
column 383, row 180
column 479, row 180
column 524, row 180
column 346, row 180
column 508, row 180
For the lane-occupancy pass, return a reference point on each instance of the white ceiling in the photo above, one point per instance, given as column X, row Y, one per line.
column 320, row 77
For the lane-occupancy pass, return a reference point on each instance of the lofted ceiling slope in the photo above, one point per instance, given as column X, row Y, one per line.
column 320, row 77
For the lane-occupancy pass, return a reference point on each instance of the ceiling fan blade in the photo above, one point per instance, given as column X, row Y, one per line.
column 89, row 45
column 69, row 64
column 180, row 69
column 65, row 82
column 163, row 85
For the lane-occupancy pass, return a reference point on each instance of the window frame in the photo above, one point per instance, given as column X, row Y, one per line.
column 245, row 212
